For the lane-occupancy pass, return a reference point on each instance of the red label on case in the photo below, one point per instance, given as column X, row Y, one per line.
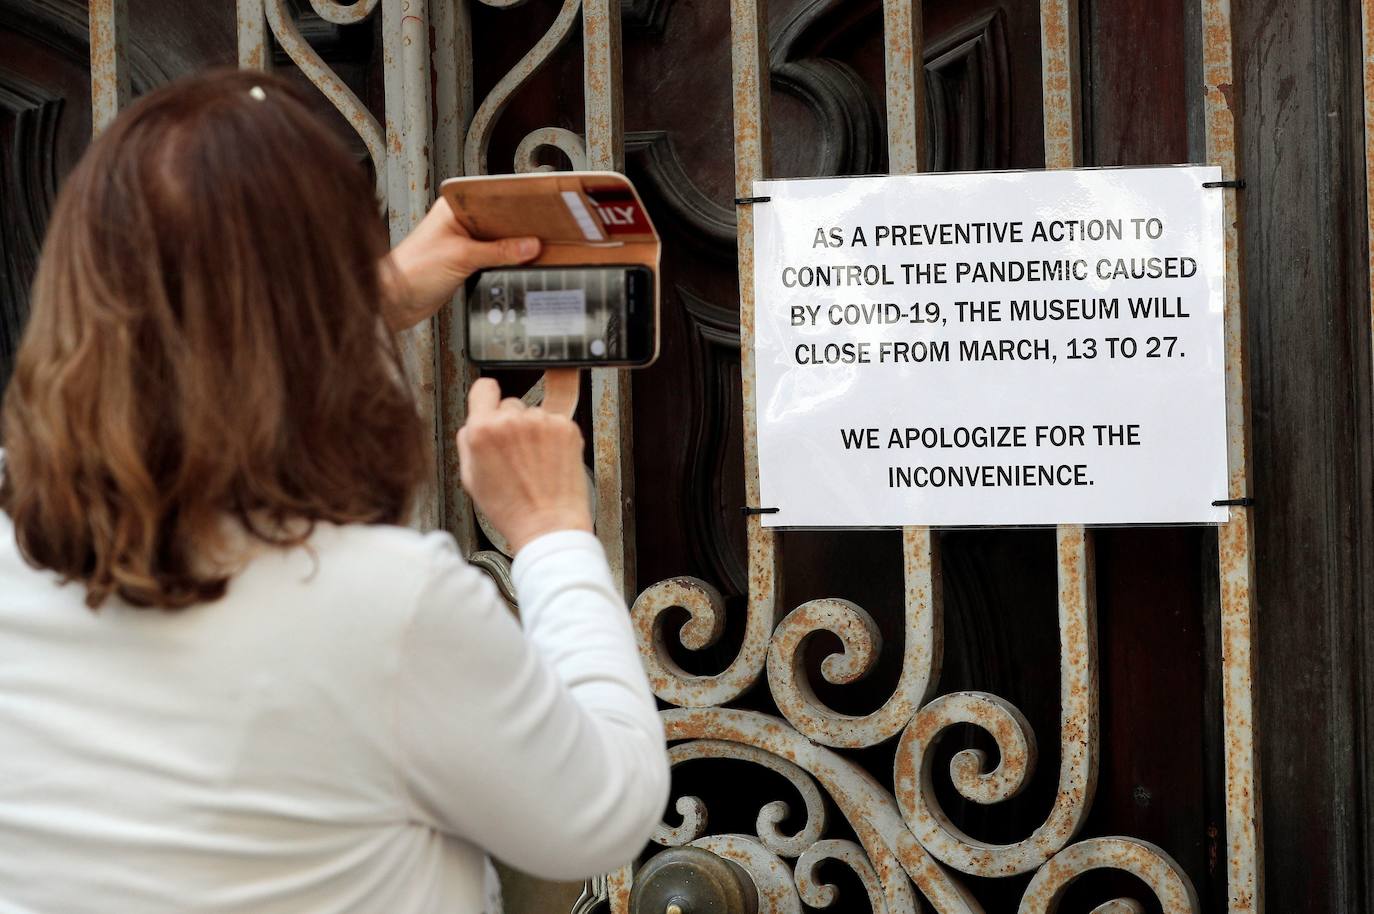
column 620, row 212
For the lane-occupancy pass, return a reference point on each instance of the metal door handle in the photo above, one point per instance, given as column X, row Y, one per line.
column 690, row 880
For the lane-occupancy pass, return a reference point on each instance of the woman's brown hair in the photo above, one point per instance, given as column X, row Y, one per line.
column 205, row 343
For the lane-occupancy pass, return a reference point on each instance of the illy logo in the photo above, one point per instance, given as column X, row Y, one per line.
column 617, row 215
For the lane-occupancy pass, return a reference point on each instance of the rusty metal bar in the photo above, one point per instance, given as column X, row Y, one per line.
column 406, row 71
column 1059, row 77
column 904, row 77
column 1235, row 538
column 453, row 107
column 393, row 91
column 753, row 141
column 1078, row 736
column 904, row 44
column 612, row 433
column 254, row 50
column 109, row 27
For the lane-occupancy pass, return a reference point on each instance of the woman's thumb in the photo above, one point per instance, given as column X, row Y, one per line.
column 503, row 252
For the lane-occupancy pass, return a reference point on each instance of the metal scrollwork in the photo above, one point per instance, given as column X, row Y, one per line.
column 885, row 845
column 891, row 859
column 895, row 897
column 288, row 35
column 915, row 784
column 1141, row 859
column 906, row 839
column 706, row 609
column 484, row 121
column 858, row 633
column 693, row 810
column 343, row 13
column 565, row 141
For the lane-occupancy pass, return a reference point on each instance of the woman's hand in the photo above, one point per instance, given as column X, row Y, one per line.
column 434, row 260
column 522, row 466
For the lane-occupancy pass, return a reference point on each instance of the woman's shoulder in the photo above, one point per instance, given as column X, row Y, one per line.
column 361, row 565
column 383, row 543
column 387, row 556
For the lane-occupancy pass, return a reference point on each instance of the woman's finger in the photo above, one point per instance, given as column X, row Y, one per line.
column 484, row 397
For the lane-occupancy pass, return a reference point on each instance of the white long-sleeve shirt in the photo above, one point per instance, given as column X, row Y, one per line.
column 351, row 728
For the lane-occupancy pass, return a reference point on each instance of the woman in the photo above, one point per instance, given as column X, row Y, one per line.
column 229, row 680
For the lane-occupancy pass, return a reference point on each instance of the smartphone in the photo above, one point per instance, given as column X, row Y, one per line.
column 546, row 317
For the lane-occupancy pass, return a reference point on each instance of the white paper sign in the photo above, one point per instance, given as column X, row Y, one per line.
column 991, row 349
column 556, row 312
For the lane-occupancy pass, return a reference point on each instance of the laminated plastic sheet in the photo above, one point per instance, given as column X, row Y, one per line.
column 1008, row 348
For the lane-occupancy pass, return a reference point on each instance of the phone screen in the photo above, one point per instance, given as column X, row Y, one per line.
column 557, row 315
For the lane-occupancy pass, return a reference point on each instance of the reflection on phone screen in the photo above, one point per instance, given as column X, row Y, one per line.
column 549, row 314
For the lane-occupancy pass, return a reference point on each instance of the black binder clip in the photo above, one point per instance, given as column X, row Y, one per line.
column 750, row 512
column 1238, row 184
column 1246, row 502
column 750, row 201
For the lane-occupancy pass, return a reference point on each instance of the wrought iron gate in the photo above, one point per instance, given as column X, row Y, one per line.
column 906, row 846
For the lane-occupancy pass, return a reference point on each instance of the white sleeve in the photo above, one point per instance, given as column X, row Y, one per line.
column 544, row 748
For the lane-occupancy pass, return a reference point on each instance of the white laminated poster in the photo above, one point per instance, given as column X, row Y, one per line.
column 997, row 348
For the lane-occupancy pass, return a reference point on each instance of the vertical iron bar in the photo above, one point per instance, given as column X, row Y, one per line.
column 453, row 106
column 1235, row 538
column 405, row 56
column 254, row 50
column 109, row 26
column 749, row 69
column 904, row 45
column 1059, row 61
column 904, row 56
column 393, row 88
column 612, row 433
column 1077, row 599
